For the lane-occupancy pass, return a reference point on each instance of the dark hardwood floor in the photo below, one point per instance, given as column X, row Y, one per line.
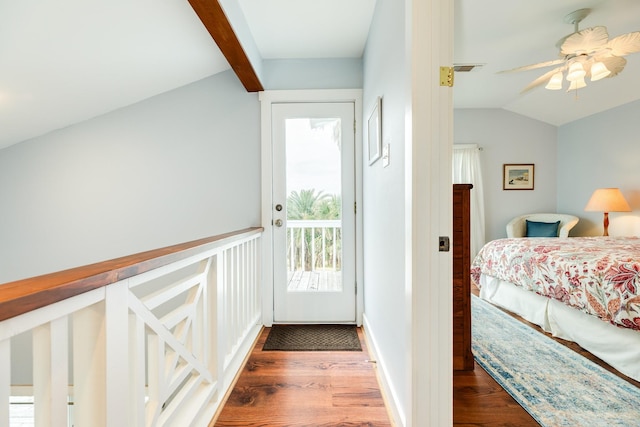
column 305, row 388
column 340, row 389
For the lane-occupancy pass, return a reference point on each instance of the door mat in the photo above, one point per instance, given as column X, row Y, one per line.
column 312, row 338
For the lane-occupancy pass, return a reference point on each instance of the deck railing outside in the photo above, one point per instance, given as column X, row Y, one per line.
column 314, row 245
column 155, row 343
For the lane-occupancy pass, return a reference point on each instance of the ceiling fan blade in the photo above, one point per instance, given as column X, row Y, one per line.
column 585, row 41
column 543, row 79
column 625, row 44
column 615, row 64
column 534, row 66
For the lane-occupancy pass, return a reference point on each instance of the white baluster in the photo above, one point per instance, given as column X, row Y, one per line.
column 89, row 366
column 221, row 330
column 243, row 288
column 208, row 316
column 137, row 364
column 335, row 247
column 324, row 245
column 156, row 378
column 292, row 252
column 302, row 249
column 51, row 373
column 5, row 380
column 234, row 306
column 313, row 248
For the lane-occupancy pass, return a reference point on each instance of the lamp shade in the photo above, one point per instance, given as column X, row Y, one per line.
column 599, row 71
column 577, row 84
column 576, row 72
column 607, row 200
column 555, row 82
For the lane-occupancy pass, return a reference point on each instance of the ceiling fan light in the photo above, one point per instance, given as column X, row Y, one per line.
column 576, row 72
column 577, row 84
column 555, row 82
column 599, row 71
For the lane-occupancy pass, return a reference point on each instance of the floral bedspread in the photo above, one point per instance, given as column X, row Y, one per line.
column 597, row 275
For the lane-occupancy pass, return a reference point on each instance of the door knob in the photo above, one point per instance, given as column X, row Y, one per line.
column 278, row 223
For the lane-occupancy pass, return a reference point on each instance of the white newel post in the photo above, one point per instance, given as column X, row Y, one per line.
column 89, row 366
column 117, row 357
column 51, row 373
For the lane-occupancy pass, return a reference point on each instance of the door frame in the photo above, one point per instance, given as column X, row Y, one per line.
column 267, row 99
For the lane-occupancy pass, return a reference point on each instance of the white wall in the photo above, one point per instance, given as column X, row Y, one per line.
column 176, row 167
column 384, row 210
column 506, row 137
column 602, row 150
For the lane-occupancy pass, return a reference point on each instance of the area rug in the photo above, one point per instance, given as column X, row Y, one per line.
column 313, row 338
column 557, row 386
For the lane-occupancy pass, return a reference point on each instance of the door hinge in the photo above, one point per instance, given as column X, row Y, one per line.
column 446, row 76
column 355, row 207
column 354, row 126
column 356, row 287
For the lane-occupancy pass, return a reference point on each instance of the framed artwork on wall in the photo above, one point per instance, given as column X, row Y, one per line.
column 517, row 176
column 374, row 132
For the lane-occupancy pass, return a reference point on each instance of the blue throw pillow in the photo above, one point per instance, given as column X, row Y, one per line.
column 542, row 229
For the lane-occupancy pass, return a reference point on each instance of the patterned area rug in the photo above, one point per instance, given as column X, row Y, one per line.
column 313, row 338
column 557, row 386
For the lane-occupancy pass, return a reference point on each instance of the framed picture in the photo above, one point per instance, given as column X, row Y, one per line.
column 374, row 134
column 517, row 177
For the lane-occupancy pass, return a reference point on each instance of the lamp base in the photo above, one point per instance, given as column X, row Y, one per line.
column 606, row 224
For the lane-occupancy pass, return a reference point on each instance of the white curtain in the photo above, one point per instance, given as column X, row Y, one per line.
column 467, row 170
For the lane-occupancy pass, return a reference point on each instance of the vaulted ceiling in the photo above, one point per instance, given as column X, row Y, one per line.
column 505, row 34
column 67, row 61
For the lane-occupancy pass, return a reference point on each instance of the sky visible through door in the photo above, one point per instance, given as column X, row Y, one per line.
column 313, row 155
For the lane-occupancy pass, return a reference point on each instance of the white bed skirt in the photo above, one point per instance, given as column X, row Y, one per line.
column 619, row 347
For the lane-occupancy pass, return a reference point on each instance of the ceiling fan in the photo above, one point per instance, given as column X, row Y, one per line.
column 584, row 53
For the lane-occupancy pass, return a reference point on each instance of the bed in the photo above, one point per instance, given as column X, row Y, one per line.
column 582, row 289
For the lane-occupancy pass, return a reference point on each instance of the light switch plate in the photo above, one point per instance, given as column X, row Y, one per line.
column 385, row 155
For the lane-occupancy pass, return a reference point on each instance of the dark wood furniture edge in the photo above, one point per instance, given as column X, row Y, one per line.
column 29, row 294
column 461, row 257
column 215, row 21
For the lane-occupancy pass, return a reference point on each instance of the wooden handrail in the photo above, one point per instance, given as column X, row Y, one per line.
column 29, row 294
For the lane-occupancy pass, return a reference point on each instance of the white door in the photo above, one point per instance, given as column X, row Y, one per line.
column 313, row 213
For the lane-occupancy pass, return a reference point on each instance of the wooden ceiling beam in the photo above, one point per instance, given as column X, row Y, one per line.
column 215, row 21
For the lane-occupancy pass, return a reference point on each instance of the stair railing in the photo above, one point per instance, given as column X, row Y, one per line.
column 152, row 339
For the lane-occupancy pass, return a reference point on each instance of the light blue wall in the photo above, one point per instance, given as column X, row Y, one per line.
column 384, row 200
column 571, row 161
column 599, row 151
column 506, row 137
column 343, row 73
column 176, row 167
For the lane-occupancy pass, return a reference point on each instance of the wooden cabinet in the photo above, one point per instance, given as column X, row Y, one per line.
column 461, row 251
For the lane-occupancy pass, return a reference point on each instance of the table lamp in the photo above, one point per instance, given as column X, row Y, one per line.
column 607, row 200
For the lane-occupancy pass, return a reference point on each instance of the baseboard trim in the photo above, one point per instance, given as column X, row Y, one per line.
column 390, row 396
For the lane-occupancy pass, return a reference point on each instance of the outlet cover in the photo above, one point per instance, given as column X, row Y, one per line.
column 385, row 155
